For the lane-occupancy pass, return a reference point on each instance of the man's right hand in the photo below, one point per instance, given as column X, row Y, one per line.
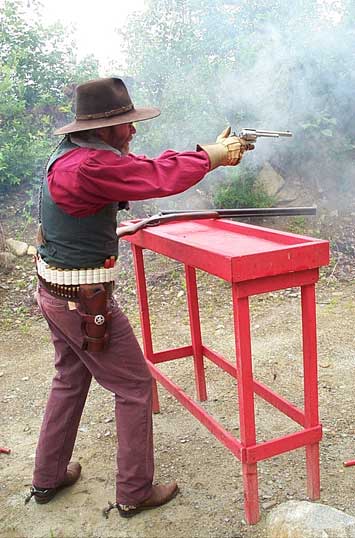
column 227, row 151
column 235, row 147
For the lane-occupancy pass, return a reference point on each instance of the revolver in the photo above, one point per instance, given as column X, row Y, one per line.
column 251, row 135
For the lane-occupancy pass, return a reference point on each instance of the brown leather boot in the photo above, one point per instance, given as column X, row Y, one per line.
column 161, row 494
column 43, row 495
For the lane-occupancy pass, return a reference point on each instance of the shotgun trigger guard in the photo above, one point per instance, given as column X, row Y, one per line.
column 155, row 223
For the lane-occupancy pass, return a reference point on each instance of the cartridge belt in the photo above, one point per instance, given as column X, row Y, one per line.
column 75, row 277
column 65, row 283
column 71, row 293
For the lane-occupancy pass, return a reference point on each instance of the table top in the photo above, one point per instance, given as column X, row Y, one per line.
column 232, row 250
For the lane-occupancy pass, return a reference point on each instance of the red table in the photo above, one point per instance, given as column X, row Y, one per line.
column 254, row 260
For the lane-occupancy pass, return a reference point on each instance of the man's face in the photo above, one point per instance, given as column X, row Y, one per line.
column 118, row 136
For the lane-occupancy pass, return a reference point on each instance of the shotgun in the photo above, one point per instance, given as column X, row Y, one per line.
column 178, row 215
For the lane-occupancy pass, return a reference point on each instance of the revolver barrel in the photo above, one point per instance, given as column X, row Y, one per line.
column 253, row 134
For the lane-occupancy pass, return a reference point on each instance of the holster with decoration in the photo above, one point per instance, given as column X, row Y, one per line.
column 95, row 313
column 227, row 151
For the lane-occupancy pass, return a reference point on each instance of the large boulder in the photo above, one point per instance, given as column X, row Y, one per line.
column 302, row 519
column 18, row 248
column 269, row 180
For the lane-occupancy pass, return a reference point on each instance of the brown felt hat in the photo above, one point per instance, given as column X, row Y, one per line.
column 102, row 103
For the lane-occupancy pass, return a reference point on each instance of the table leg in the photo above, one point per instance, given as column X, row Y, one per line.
column 246, row 402
column 309, row 335
column 195, row 329
column 143, row 305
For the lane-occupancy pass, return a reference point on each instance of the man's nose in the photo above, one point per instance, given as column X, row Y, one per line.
column 133, row 128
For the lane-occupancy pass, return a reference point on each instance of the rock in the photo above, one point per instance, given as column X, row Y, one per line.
column 302, row 519
column 19, row 248
column 270, row 180
column 31, row 251
column 268, row 505
column 6, row 259
column 289, row 193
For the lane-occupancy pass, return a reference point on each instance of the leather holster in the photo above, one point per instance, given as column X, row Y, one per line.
column 94, row 300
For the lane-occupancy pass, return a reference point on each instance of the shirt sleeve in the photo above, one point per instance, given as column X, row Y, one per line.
column 104, row 177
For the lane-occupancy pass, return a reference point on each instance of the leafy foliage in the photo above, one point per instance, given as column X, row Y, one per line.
column 181, row 50
column 241, row 190
column 38, row 72
column 205, row 63
column 254, row 63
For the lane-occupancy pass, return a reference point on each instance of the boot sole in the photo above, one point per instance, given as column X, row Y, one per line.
column 47, row 498
column 139, row 509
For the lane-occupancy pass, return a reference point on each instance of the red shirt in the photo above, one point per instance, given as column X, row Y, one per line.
column 84, row 180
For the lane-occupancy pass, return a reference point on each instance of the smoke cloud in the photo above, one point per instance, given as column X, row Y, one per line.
column 267, row 65
column 304, row 83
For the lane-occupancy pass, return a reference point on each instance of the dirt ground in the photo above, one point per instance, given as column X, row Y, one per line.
column 210, row 504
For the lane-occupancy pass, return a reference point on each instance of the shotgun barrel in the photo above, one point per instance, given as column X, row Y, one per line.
column 250, row 212
column 180, row 215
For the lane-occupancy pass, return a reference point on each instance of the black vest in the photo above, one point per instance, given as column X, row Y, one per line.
column 76, row 242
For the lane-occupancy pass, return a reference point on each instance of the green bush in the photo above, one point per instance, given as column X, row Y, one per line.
column 38, row 72
column 241, row 189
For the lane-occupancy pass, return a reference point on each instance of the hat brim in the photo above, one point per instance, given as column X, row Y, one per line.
column 137, row 114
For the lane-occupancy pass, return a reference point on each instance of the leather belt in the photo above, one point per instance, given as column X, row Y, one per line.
column 71, row 293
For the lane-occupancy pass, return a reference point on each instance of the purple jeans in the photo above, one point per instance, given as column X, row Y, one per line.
column 121, row 369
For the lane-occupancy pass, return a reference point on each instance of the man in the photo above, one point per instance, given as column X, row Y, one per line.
column 90, row 176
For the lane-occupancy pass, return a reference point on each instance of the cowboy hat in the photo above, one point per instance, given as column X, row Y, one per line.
column 104, row 102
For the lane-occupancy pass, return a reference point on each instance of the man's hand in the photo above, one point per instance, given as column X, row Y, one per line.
column 227, row 151
column 235, row 146
column 224, row 134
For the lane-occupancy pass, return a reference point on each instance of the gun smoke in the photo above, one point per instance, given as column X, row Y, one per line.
column 297, row 76
column 318, row 105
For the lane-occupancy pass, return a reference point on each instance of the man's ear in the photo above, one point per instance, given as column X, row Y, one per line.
column 103, row 133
